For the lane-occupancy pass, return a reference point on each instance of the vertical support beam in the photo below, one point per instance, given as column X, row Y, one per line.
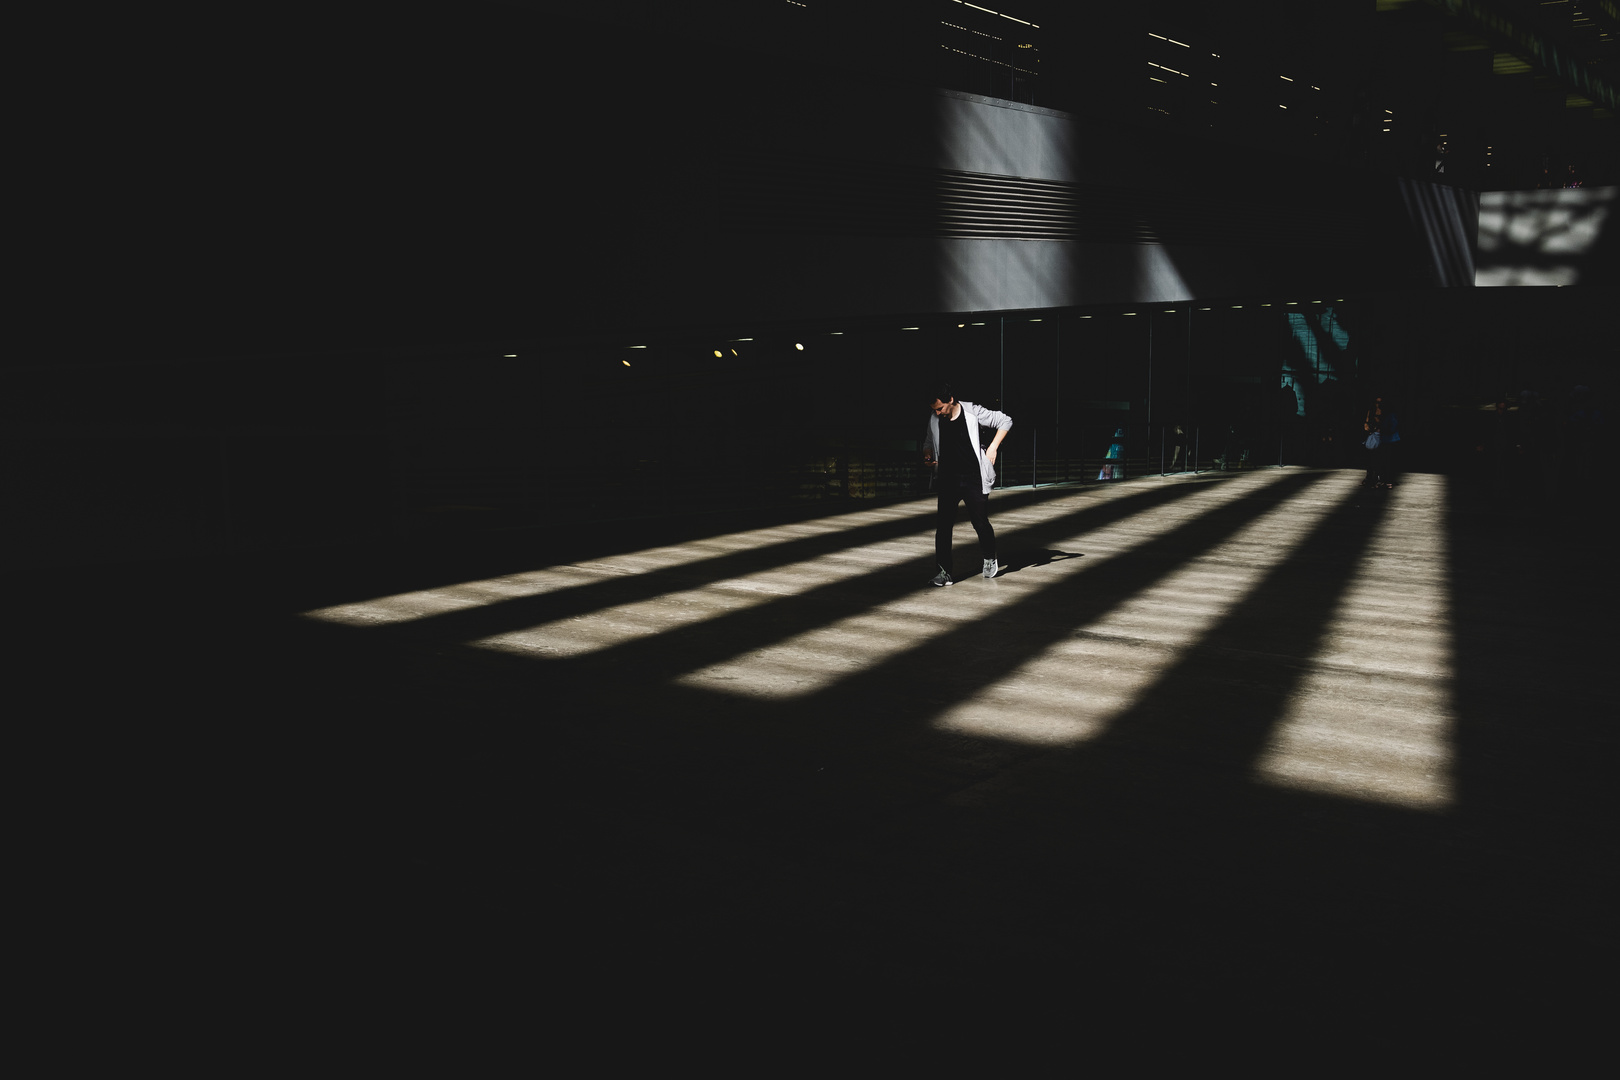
column 1002, row 400
column 1149, row 371
column 1057, row 390
column 1186, row 411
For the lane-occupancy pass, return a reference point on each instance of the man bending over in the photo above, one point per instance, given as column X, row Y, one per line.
column 966, row 473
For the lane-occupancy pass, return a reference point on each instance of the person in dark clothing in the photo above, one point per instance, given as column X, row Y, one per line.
column 1372, row 427
column 966, row 474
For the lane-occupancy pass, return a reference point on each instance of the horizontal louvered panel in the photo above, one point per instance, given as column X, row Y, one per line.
column 783, row 194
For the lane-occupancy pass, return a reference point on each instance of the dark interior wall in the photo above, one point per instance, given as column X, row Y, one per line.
column 321, row 176
column 337, row 278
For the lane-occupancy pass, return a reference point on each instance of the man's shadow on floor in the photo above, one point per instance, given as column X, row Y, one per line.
column 1026, row 560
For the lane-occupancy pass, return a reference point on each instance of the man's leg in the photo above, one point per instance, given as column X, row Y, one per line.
column 978, row 506
column 944, row 522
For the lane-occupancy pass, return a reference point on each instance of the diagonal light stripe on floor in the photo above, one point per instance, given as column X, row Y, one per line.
column 1073, row 690
column 1373, row 719
column 621, row 623
column 582, row 634
column 463, row 596
column 811, row 661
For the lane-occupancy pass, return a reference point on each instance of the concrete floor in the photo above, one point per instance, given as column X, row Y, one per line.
column 1265, row 750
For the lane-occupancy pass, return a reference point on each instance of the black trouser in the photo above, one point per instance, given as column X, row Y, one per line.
column 966, row 489
column 1375, row 466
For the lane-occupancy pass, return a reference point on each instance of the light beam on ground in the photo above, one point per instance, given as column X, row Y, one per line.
column 813, row 660
column 1374, row 717
column 1073, row 690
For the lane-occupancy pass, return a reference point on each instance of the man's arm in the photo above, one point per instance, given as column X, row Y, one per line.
column 998, row 420
column 990, row 451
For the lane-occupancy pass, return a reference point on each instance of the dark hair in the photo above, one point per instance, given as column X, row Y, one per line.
column 945, row 393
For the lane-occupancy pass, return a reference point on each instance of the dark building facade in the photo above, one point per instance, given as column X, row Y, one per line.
column 345, row 272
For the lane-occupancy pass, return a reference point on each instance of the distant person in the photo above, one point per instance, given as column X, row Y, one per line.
column 1391, row 446
column 1114, row 462
column 1372, row 428
column 966, row 474
column 1178, row 449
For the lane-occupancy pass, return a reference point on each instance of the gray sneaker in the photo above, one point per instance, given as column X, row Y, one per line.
column 991, row 567
column 942, row 578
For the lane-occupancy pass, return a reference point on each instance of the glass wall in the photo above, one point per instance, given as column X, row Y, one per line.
column 315, row 450
column 817, row 413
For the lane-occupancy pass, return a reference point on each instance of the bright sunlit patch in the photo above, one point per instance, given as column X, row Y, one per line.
column 1072, row 691
column 1546, row 237
column 423, row 603
column 410, row 606
column 1373, row 718
column 616, row 625
column 818, row 658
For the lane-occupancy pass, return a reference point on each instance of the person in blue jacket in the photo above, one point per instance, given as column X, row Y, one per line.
column 966, row 474
column 1372, row 428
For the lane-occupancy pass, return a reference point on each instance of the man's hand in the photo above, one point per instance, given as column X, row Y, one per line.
column 990, row 451
column 928, row 459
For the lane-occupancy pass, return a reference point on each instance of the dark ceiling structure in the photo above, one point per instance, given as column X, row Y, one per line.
column 1485, row 94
